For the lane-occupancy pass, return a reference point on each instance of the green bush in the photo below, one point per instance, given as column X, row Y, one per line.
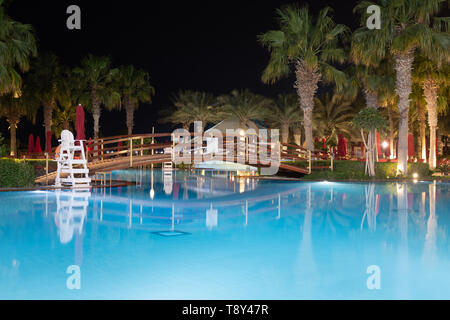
column 15, row 173
column 355, row 170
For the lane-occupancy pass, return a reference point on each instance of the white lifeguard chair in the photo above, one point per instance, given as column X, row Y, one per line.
column 72, row 161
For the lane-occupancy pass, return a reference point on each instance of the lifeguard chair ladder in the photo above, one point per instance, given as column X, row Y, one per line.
column 72, row 161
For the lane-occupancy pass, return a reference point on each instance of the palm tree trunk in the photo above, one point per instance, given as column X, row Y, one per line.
column 95, row 112
column 66, row 125
column 129, row 107
column 298, row 136
column 48, row 113
column 422, row 126
column 372, row 102
column 430, row 88
column 306, row 85
column 391, row 131
column 285, row 133
column 403, row 67
column 13, row 128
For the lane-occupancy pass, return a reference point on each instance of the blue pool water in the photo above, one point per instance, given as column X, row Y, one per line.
column 207, row 235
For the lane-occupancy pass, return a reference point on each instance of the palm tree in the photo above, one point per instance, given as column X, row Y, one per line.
column 418, row 107
column 98, row 76
column 285, row 115
column 134, row 88
column 70, row 94
column 244, row 106
column 405, row 27
column 333, row 116
column 45, row 80
column 17, row 45
column 13, row 108
column 190, row 106
column 311, row 44
column 431, row 76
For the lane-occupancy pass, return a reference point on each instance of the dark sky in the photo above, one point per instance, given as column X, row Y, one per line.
column 209, row 46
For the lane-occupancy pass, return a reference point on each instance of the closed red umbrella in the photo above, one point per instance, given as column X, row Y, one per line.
column 324, row 144
column 411, row 152
column 48, row 142
column 340, row 144
column 30, row 143
column 378, row 144
column 79, row 123
column 38, row 148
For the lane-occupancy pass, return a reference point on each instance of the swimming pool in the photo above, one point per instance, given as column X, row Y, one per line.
column 210, row 235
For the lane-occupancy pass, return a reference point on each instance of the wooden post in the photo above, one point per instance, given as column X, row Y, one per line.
column 173, row 147
column 131, row 152
column 46, row 169
column 153, row 142
column 279, row 151
column 102, row 150
column 142, row 146
column 309, row 161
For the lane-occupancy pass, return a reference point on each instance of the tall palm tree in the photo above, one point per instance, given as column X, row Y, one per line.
column 431, row 76
column 189, row 106
column 405, row 27
column 285, row 115
column 98, row 76
column 333, row 115
column 134, row 88
column 13, row 108
column 310, row 44
column 45, row 81
column 244, row 106
column 17, row 46
column 418, row 106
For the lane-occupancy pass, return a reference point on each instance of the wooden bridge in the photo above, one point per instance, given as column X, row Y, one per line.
column 141, row 150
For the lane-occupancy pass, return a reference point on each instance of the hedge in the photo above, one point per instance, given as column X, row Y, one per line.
column 355, row 170
column 15, row 173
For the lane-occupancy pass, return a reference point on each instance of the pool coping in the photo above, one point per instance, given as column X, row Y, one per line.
column 114, row 184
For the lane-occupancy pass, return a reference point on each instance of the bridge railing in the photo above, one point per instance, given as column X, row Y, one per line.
column 126, row 146
column 243, row 147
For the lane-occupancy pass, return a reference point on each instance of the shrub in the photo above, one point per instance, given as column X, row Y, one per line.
column 355, row 170
column 15, row 173
column 444, row 166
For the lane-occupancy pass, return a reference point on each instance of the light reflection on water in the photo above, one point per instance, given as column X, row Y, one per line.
column 215, row 236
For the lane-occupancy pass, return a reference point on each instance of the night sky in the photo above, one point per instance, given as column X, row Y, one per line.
column 208, row 46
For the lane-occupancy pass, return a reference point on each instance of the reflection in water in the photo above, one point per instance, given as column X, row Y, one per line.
column 70, row 217
column 267, row 239
column 370, row 213
column 430, row 249
column 71, row 212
